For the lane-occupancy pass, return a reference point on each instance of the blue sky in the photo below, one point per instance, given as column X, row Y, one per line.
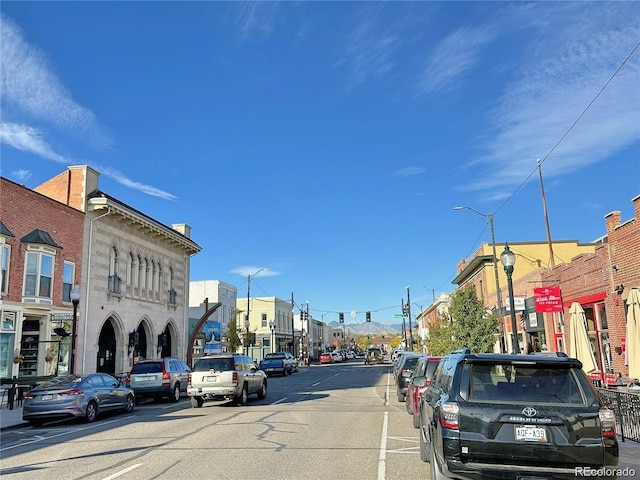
column 328, row 142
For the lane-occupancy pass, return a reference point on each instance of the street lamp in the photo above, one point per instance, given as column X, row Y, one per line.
column 508, row 259
column 75, row 295
column 489, row 218
column 272, row 327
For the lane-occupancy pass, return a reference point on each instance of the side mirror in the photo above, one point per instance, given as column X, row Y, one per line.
column 419, row 381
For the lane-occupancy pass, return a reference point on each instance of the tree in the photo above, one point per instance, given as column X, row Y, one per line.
column 441, row 336
column 473, row 326
column 233, row 339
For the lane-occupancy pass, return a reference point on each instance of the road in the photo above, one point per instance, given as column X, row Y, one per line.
column 327, row 421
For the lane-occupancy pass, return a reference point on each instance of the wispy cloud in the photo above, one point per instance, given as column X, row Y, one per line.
column 29, row 85
column 32, row 92
column 456, row 55
column 370, row 47
column 256, row 19
column 251, row 270
column 409, row 171
column 566, row 66
column 21, row 175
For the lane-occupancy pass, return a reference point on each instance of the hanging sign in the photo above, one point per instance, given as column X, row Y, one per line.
column 547, row 299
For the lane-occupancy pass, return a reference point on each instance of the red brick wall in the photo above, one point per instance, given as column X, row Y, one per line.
column 614, row 263
column 22, row 211
column 67, row 188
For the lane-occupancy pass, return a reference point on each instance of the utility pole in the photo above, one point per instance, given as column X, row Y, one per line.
column 552, row 262
column 409, row 314
column 293, row 331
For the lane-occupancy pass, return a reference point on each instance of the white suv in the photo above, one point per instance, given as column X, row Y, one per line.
column 225, row 377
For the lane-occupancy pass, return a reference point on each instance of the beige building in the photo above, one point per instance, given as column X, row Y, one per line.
column 135, row 278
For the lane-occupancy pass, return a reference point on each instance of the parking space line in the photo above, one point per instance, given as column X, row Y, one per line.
column 122, row 472
column 382, row 461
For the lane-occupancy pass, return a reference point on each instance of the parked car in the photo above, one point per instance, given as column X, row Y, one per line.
column 405, row 368
column 337, row 356
column 488, row 416
column 159, row 378
column 76, row 396
column 278, row 362
column 326, row 357
column 395, row 364
column 419, row 380
column 225, row 377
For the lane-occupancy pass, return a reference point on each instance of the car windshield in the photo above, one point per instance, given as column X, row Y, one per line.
column 150, row 367
column 274, row 356
column 410, row 363
column 512, row 383
column 215, row 364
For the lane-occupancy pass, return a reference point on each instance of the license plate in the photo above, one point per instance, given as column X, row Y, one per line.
column 530, row 433
column 47, row 397
column 145, row 379
column 211, row 379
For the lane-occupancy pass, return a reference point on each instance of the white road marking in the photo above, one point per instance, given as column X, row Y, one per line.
column 382, row 461
column 122, row 472
column 40, row 438
column 279, row 401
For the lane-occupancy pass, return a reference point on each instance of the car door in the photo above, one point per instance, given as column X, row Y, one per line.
column 113, row 396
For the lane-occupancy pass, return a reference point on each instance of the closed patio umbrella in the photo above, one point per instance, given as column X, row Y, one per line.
column 579, row 342
column 633, row 333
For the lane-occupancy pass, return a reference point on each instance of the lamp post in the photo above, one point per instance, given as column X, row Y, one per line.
column 489, row 218
column 75, row 295
column 409, row 315
column 272, row 327
column 508, row 259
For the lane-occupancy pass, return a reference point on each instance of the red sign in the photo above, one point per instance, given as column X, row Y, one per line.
column 548, row 299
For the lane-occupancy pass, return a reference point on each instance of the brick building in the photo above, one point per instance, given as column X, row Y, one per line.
column 600, row 283
column 41, row 241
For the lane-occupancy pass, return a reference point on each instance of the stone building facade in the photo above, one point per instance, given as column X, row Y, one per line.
column 135, row 277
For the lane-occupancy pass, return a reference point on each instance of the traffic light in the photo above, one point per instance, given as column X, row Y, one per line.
column 341, row 317
column 368, row 316
column 405, row 310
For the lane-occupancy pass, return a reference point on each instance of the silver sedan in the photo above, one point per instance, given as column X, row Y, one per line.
column 76, row 396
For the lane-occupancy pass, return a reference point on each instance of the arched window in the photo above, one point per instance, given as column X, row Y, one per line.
column 147, row 273
column 139, row 272
column 154, row 277
column 130, row 268
column 114, row 278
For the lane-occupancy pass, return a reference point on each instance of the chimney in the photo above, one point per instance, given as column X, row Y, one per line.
column 182, row 228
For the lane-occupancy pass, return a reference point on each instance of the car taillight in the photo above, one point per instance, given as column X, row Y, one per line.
column 127, row 379
column 607, row 422
column 29, row 395
column 234, row 377
column 166, row 376
column 449, row 415
column 189, row 379
column 73, row 391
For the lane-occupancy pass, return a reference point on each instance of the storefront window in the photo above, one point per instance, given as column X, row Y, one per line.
column 6, row 354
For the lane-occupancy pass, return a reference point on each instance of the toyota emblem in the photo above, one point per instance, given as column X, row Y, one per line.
column 529, row 412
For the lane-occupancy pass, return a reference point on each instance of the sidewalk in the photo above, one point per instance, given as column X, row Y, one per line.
column 11, row 418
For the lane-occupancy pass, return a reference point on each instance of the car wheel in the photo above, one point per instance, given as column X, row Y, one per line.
column 263, row 390
column 424, row 447
column 416, row 420
column 243, row 397
column 175, row 397
column 197, row 402
column 401, row 397
column 129, row 403
column 92, row 411
column 436, row 473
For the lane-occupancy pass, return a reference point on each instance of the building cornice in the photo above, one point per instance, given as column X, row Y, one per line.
column 100, row 201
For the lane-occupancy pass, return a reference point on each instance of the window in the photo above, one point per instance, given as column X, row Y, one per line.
column 148, row 272
column 264, row 319
column 4, row 280
column 130, row 268
column 68, row 271
column 154, row 277
column 39, row 271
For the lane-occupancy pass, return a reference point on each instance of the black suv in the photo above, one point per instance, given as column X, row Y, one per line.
column 501, row 416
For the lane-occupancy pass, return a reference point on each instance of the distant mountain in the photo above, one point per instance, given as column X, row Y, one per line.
column 369, row 328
